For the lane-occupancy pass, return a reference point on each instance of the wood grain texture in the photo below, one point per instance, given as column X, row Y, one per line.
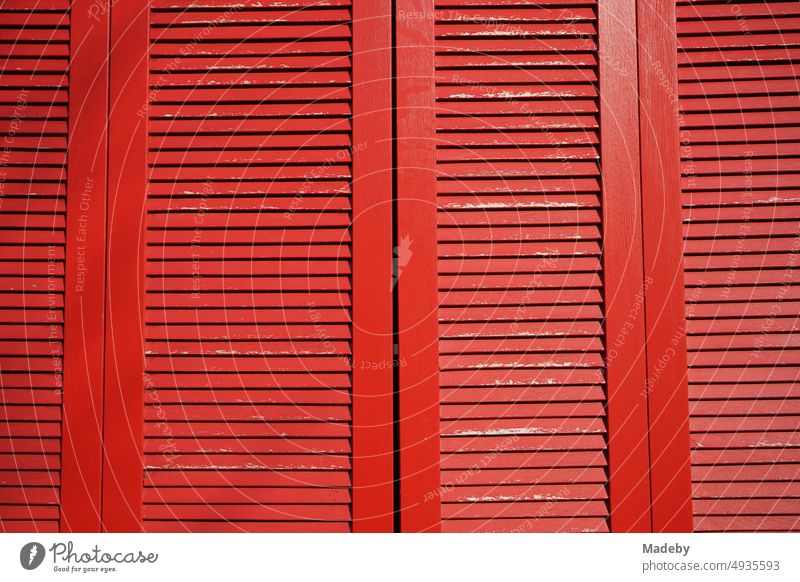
column 623, row 263
column 667, row 389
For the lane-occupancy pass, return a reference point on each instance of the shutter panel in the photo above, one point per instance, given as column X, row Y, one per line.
column 248, row 277
column 34, row 50
column 739, row 113
column 523, row 429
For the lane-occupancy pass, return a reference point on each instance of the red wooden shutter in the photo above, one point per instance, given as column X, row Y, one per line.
column 253, row 365
column 34, row 50
column 509, row 216
column 215, row 272
column 739, row 113
column 520, row 305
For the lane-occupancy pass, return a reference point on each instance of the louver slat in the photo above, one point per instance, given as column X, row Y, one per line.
column 523, row 431
column 34, row 50
column 740, row 108
column 248, row 279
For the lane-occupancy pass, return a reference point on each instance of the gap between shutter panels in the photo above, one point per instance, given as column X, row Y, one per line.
column 248, row 318
column 34, row 51
column 518, row 194
column 740, row 113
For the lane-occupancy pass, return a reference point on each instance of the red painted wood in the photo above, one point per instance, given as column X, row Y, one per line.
column 125, row 381
column 415, row 256
column 626, row 366
column 519, row 268
column 34, row 88
column 84, row 297
column 521, row 153
column 738, row 110
column 667, row 388
column 258, row 277
column 373, row 358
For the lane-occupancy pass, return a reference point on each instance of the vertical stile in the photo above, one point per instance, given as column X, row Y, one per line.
column 667, row 390
column 82, row 453
column 626, row 366
column 373, row 360
column 125, row 382
column 417, row 333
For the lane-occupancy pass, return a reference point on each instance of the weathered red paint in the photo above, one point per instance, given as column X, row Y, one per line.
column 521, row 339
column 737, row 95
column 277, row 435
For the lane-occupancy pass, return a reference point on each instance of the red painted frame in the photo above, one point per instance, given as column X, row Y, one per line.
column 650, row 481
column 373, row 364
column 372, row 292
column 626, row 367
column 670, row 468
column 418, row 327
column 84, row 290
column 127, row 168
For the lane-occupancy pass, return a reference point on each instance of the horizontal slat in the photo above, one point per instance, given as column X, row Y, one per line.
column 249, row 495
column 527, row 525
column 232, row 526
